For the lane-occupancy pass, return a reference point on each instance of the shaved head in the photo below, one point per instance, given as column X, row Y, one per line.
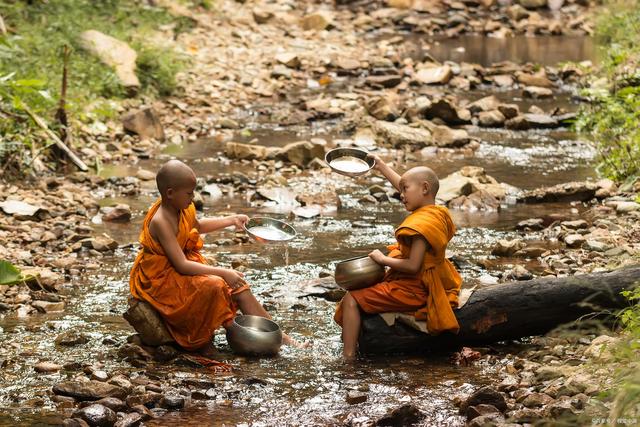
column 174, row 174
column 421, row 174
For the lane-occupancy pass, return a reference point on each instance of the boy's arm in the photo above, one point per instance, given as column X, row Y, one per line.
column 164, row 234
column 207, row 225
column 392, row 176
column 411, row 265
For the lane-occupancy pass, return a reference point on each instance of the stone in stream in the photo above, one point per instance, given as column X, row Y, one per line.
column 507, row 248
column 567, row 192
column 444, row 136
column 354, row 397
column 237, row 150
column 97, row 415
column 488, row 103
column 479, row 410
column 148, row 323
column 491, row 419
column 115, row 404
column 47, row 367
column 88, row 390
column 397, row 134
column 118, row 213
column 534, row 80
column 129, row 420
column 518, row 273
column 533, row 4
column 384, row 81
column 434, row 75
column 574, row 240
column 48, row 307
column 261, row 15
column 536, row 92
column 75, row 422
column 382, row 108
column 446, row 111
column 532, row 224
column 316, row 21
column 402, row 416
column 145, row 123
column 301, row 153
column 509, row 111
column 172, row 402
column 485, row 395
column 71, row 338
column 493, row 118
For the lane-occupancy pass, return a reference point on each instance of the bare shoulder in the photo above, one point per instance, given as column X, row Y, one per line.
column 160, row 224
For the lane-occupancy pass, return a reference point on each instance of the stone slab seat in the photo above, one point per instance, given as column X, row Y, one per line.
column 148, row 323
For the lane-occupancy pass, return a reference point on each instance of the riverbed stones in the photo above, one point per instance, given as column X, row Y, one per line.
column 172, row 402
column 402, row 416
column 506, row 248
column 97, row 415
column 118, row 213
column 145, row 123
column 446, row 111
column 487, row 396
column 237, row 150
column 71, row 338
column 536, row 92
column 132, row 419
column 533, row 4
column 88, row 390
column 574, row 240
column 479, row 410
column 493, row 118
column 567, row 192
column 301, row 153
column 317, row 21
column 46, row 367
column 444, row 136
column 148, row 323
column 382, row 108
column 398, row 134
column 433, row 74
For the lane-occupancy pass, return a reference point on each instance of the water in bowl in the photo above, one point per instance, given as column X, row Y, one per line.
column 350, row 164
column 269, row 233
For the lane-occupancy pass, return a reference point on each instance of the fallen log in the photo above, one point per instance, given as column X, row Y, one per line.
column 508, row 311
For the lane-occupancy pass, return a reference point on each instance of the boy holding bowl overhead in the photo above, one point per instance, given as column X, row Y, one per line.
column 169, row 273
column 420, row 279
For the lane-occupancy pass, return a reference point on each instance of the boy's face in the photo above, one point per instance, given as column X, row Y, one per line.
column 181, row 197
column 413, row 192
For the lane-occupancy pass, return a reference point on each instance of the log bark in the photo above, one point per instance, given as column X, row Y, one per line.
column 508, row 311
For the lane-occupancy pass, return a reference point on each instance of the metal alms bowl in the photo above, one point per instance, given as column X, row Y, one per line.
column 267, row 230
column 338, row 153
column 358, row 273
column 254, row 336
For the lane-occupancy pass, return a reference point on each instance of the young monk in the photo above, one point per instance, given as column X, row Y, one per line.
column 169, row 273
column 420, row 280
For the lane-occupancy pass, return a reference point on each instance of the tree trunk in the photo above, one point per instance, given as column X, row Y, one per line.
column 508, row 311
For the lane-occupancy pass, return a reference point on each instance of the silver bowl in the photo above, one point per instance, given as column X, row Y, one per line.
column 254, row 336
column 357, row 273
column 349, row 161
column 265, row 230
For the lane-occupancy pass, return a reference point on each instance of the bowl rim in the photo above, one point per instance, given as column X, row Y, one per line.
column 277, row 330
column 356, row 258
column 292, row 235
column 355, row 150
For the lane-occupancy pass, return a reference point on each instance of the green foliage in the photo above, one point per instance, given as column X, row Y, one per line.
column 613, row 118
column 31, row 60
column 9, row 274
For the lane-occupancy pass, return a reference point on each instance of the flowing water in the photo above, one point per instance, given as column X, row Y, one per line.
column 297, row 387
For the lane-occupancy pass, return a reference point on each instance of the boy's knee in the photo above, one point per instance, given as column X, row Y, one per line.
column 350, row 301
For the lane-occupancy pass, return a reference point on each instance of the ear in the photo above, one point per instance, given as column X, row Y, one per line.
column 170, row 191
column 426, row 187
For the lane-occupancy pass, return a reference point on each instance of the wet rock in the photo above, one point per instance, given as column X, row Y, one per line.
column 531, row 121
column 133, row 352
column 487, row 396
column 382, row 108
column 172, row 402
column 115, row 404
column 596, row 245
column 434, row 75
column 517, row 12
column 114, row 53
column 129, row 420
column 537, row 92
column 477, row 201
column 289, row 59
column 479, row 410
column 355, row 397
column 316, row 21
column 143, row 411
column 534, row 80
column 574, row 240
column 384, row 81
column 165, row 353
column 545, row 373
column 101, row 243
column 486, row 420
column 118, row 213
column 99, row 375
column 525, row 415
column 455, row 185
column 488, row 103
column 403, row 416
column 575, row 225
column 559, row 409
column 301, row 152
column 518, row 273
column 509, row 111
column 447, row 112
column 492, row 118
column 533, row 224
column 145, row 123
column 71, row 338
column 148, row 323
column 236, row 150
column 568, row 192
column 88, row 390
column 47, row 367
column 397, row 134
column 444, row 136
column 626, row 207
column 48, row 307
column 503, row 80
column 148, row 399
column 97, row 415
column 75, row 422
column 507, row 248
column 535, row 400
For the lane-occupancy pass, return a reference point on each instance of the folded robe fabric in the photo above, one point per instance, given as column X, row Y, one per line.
column 193, row 307
column 430, row 295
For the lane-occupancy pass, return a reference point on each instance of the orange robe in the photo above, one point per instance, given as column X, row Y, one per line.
column 193, row 307
column 432, row 294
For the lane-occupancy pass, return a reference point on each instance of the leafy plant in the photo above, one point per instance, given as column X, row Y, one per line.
column 10, row 274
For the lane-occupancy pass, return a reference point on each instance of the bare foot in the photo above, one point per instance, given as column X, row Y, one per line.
column 287, row 340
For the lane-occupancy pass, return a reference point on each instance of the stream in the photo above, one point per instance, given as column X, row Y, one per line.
column 307, row 387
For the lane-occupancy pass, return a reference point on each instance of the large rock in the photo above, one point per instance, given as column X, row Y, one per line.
column 301, row 152
column 237, row 150
column 434, row 75
column 96, row 415
column 493, row 118
column 115, row 53
column 444, row 136
column 88, row 390
column 505, row 247
column 397, row 134
column 382, row 108
column 404, row 415
column 454, row 185
column 532, row 121
column 316, row 21
column 536, row 92
column 144, row 122
column 487, row 103
column 568, row 192
column 148, row 323
column 446, row 111
column 485, row 396
column 538, row 79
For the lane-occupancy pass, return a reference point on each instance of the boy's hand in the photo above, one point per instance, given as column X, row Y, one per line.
column 234, row 278
column 239, row 221
column 377, row 256
column 379, row 161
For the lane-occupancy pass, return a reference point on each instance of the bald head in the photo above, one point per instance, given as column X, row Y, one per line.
column 423, row 174
column 174, row 174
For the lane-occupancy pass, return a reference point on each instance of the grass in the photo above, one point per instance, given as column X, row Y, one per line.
column 613, row 118
column 31, row 61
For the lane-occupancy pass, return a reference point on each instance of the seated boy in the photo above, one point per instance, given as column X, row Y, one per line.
column 169, row 273
column 420, row 280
